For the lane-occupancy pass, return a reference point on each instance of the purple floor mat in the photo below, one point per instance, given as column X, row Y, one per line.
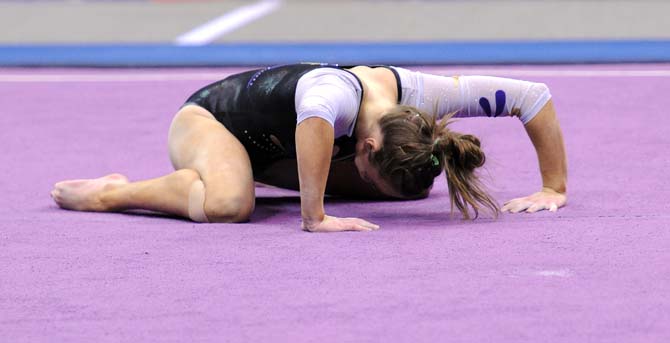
column 596, row 271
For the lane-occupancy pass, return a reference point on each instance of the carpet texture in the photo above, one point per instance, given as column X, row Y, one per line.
column 596, row 271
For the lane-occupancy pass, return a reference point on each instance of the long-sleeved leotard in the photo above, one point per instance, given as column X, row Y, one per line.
column 472, row 96
column 262, row 107
column 320, row 93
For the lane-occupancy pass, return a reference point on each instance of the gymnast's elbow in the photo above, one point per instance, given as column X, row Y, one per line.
column 537, row 101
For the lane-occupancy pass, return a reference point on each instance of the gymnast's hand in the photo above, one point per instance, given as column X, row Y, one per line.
column 546, row 199
column 335, row 224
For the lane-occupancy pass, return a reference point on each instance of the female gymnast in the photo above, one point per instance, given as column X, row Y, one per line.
column 361, row 132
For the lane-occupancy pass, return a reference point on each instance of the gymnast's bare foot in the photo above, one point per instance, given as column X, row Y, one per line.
column 84, row 195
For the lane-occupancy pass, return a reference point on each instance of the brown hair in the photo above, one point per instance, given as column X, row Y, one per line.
column 416, row 148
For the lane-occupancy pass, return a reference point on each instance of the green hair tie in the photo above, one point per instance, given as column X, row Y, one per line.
column 436, row 161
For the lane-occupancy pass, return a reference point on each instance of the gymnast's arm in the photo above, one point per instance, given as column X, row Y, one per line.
column 314, row 146
column 470, row 96
column 545, row 134
column 313, row 138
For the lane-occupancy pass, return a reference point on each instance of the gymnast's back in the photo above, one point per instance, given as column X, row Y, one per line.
column 259, row 108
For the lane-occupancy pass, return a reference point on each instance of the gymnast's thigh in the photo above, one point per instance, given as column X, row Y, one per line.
column 198, row 141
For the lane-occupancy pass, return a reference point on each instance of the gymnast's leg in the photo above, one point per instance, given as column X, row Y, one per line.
column 213, row 181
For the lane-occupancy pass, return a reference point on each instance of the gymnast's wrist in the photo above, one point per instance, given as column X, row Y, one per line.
column 555, row 189
column 555, row 183
column 310, row 221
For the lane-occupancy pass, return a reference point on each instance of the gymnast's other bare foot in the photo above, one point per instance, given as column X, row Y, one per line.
column 84, row 195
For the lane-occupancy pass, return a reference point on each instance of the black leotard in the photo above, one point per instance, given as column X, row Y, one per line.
column 258, row 107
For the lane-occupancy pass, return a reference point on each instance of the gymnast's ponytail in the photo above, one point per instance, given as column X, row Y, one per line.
column 460, row 155
column 416, row 148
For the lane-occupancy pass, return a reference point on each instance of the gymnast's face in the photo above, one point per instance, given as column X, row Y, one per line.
column 367, row 171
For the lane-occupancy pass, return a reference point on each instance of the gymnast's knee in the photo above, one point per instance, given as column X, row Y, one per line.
column 228, row 209
column 210, row 207
column 196, row 202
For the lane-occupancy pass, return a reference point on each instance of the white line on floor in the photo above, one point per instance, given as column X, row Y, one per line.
column 554, row 273
column 118, row 77
column 212, row 76
column 208, row 32
column 570, row 73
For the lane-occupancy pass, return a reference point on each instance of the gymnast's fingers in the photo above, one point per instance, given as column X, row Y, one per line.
column 55, row 194
column 512, row 205
column 357, row 227
column 368, row 224
column 511, row 201
column 536, row 207
column 361, row 222
column 509, row 205
column 365, row 228
column 520, row 206
column 506, row 207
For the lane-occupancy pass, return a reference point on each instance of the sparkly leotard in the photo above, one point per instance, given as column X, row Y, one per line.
column 259, row 108
column 262, row 107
